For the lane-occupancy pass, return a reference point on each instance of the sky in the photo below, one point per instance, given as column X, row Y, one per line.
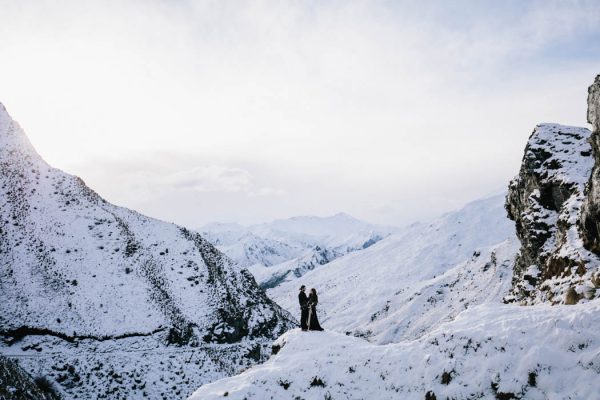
column 234, row 111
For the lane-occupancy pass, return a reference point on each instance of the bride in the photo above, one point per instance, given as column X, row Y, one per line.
column 313, row 321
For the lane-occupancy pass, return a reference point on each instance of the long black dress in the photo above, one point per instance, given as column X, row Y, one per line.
column 313, row 321
column 303, row 300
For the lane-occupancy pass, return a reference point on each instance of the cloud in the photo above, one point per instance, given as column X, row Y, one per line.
column 211, row 178
column 151, row 175
column 216, row 178
column 267, row 192
column 293, row 107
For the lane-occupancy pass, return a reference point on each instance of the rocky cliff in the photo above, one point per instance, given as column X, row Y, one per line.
column 112, row 304
column 555, row 204
column 16, row 384
column 590, row 221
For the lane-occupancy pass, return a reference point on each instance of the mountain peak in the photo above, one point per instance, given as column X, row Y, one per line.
column 13, row 138
column 343, row 215
column 77, row 269
column 5, row 119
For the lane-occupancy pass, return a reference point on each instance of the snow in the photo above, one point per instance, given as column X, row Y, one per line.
column 569, row 152
column 402, row 285
column 90, row 289
column 539, row 352
column 285, row 249
column 418, row 313
column 421, row 313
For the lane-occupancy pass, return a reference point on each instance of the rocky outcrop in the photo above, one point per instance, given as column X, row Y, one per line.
column 108, row 303
column 16, row 384
column 590, row 221
column 554, row 204
column 593, row 113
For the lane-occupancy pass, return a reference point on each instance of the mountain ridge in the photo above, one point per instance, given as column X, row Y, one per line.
column 80, row 274
column 285, row 249
column 417, row 278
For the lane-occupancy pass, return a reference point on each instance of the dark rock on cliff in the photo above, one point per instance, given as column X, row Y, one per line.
column 16, row 384
column 593, row 113
column 590, row 221
column 555, row 208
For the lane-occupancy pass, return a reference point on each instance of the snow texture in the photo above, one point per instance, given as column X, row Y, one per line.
column 284, row 250
column 102, row 299
column 16, row 384
column 490, row 351
column 402, row 286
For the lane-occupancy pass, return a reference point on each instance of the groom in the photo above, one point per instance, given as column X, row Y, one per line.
column 303, row 300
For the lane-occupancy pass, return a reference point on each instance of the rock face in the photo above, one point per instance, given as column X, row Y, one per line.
column 16, row 384
column 554, row 202
column 110, row 303
column 590, row 222
column 593, row 114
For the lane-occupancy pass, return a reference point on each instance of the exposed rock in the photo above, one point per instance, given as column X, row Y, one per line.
column 16, row 384
column 572, row 296
column 545, row 201
column 590, row 221
column 593, row 113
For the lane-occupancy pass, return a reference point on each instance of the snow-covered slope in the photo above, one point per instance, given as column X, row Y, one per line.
column 284, row 250
column 409, row 282
column 491, row 351
column 247, row 248
column 433, row 295
column 417, row 295
column 432, row 349
column 431, row 299
column 99, row 297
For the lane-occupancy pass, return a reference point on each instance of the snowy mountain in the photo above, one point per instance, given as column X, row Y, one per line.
column 497, row 326
column 409, row 282
column 247, row 248
column 102, row 299
column 284, row 250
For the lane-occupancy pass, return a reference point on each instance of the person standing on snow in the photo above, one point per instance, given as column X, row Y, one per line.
column 303, row 300
column 313, row 321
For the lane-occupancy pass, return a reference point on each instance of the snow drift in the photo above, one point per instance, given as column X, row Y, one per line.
column 490, row 351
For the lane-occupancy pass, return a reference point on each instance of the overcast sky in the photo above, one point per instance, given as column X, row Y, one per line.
column 198, row 111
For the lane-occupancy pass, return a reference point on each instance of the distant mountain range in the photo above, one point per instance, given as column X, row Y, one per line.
column 411, row 281
column 285, row 249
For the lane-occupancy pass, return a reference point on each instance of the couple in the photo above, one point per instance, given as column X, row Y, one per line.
column 308, row 310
